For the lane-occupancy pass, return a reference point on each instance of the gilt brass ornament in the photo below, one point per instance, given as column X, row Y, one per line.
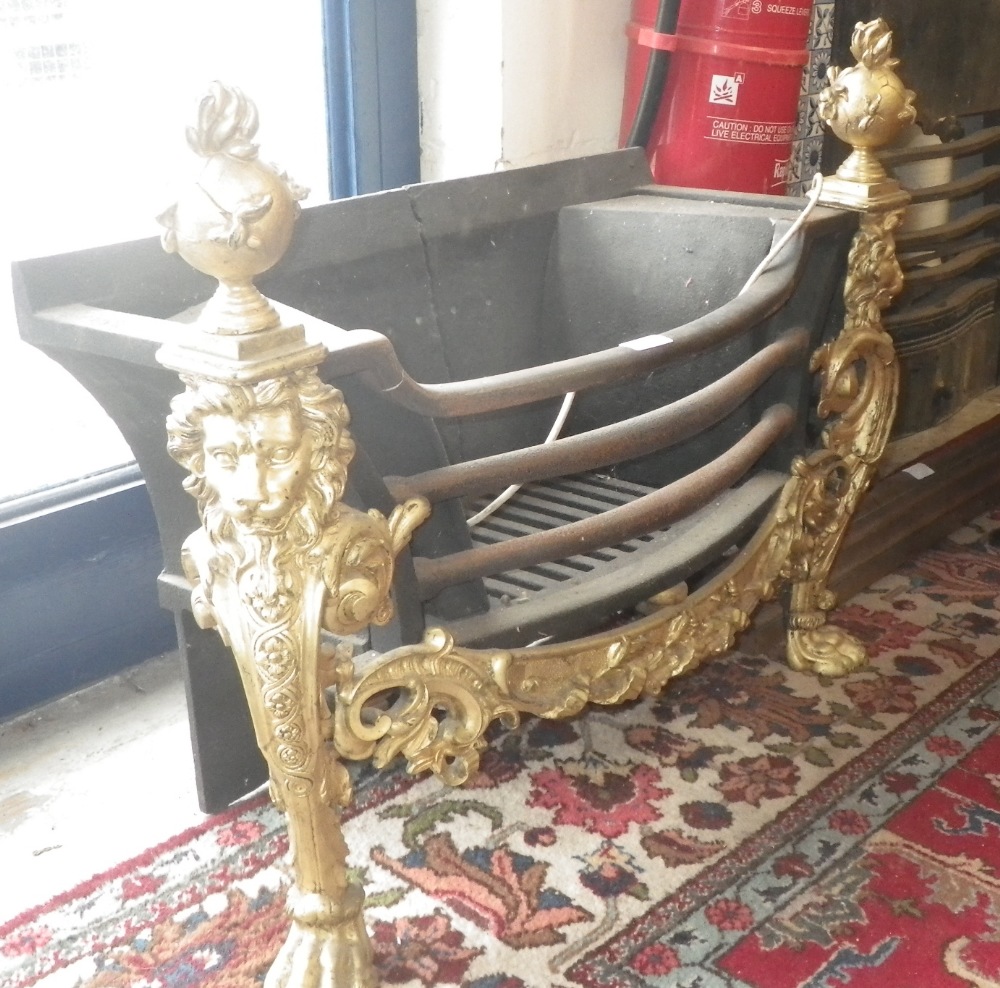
column 279, row 559
column 235, row 221
column 867, row 107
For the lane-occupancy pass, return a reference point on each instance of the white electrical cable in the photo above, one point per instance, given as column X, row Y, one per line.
column 812, row 197
column 503, row 497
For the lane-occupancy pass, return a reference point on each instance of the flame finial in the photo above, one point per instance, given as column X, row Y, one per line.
column 236, row 220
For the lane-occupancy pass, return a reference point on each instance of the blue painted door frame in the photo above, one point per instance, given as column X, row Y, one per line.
column 374, row 115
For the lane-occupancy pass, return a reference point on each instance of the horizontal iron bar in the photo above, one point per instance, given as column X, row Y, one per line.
column 600, row 369
column 658, row 429
column 961, row 187
column 646, row 514
column 927, row 324
column 964, row 146
column 922, row 277
column 935, row 236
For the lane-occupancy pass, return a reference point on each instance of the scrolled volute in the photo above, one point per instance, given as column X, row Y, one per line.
column 359, row 564
column 430, row 702
column 859, row 373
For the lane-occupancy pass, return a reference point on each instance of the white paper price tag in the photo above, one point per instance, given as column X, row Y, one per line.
column 646, row 342
column 919, row 470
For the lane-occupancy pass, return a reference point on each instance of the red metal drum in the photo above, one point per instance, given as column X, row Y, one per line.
column 727, row 116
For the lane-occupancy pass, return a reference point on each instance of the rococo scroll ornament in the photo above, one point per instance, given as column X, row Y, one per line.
column 867, row 106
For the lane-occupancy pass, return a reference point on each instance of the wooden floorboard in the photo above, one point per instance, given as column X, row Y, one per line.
column 902, row 515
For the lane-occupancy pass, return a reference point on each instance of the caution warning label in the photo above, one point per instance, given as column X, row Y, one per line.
column 749, row 131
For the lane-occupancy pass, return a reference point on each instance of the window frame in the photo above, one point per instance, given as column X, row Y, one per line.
column 79, row 561
column 373, row 103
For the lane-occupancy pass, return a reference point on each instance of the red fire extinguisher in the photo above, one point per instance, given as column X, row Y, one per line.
column 712, row 90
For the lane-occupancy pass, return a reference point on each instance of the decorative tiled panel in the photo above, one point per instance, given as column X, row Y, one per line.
column 807, row 148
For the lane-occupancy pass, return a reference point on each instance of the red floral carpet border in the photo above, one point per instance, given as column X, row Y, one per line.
column 752, row 828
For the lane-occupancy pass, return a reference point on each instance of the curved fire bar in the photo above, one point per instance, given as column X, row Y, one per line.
column 648, row 513
column 646, row 433
column 381, row 370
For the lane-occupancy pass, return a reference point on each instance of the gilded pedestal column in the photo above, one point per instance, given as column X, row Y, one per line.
column 868, row 107
column 279, row 558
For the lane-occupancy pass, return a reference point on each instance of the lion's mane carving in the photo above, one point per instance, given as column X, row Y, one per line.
column 308, row 533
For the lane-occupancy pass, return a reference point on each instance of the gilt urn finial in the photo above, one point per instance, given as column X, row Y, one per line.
column 235, row 221
column 868, row 107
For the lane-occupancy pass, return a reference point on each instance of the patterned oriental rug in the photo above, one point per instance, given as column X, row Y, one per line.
column 751, row 828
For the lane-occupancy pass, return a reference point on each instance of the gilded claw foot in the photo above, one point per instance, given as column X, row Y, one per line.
column 327, row 946
column 825, row 650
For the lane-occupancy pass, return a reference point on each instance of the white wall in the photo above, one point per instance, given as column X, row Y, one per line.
column 460, row 77
column 506, row 83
